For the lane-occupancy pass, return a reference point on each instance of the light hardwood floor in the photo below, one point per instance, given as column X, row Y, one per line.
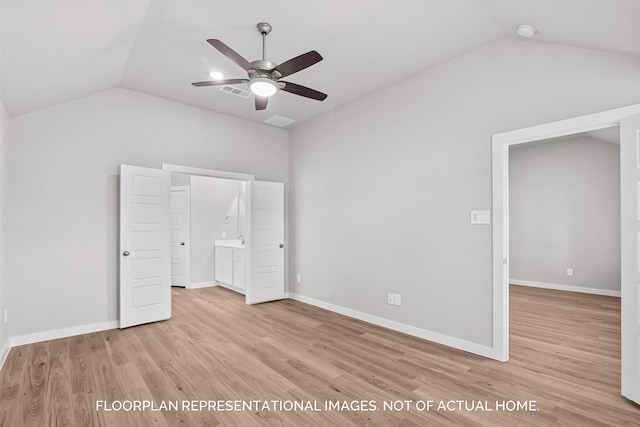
column 565, row 355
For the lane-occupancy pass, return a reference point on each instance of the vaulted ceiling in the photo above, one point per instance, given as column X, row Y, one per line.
column 55, row 51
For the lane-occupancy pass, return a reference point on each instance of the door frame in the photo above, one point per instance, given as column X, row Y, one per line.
column 212, row 173
column 500, row 203
column 208, row 172
column 187, row 238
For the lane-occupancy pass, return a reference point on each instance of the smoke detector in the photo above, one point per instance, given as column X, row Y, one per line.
column 526, row 31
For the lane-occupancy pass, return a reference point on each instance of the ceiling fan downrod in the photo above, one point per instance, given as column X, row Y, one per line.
column 264, row 29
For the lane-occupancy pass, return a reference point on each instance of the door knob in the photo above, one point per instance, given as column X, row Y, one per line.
column 281, row 246
column 181, row 243
column 125, row 253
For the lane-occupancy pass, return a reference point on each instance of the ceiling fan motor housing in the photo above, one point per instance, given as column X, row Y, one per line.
column 264, row 68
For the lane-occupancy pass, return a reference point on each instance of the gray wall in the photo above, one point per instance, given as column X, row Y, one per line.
column 211, row 200
column 4, row 175
column 180, row 179
column 564, row 212
column 382, row 187
column 63, row 198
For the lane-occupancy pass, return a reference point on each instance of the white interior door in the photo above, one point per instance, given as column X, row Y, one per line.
column 265, row 241
column 180, row 219
column 145, row 253
column 630, row 269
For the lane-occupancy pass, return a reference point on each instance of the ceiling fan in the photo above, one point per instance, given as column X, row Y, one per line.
column 264, row 75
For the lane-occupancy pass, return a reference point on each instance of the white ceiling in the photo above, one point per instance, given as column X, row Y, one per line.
column 55, row 51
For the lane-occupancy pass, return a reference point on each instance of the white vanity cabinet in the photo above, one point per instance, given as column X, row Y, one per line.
column 239, row 268
column 230, row 264
column 224, row 265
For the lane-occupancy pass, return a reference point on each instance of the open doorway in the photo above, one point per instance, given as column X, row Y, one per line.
column 207, row 215
column 145, row 240
column 564, row 213
column 564, row 269
column 628, row 118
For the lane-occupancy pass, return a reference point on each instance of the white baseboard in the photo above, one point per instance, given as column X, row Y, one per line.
column 201, row 285
column 569, row 288
column 54, row 335
column 63, row 333
column 232, row 288
column 447, row 340
column 5, row 352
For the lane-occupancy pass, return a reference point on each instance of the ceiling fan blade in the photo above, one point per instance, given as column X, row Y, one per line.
column 303, row 91
column 261, row 102
column 220, row 82
column 231, row 54
column 298, row 63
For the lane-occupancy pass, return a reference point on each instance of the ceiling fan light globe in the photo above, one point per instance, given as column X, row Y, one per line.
column 263, row 87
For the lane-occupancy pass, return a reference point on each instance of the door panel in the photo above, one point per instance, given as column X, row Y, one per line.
column 180, row 241
column 630, row 269
column 265, row 241
column 145, row 292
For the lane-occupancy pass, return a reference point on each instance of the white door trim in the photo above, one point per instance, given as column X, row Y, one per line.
column 500, row 202
column 630, row 256
column 208, row 172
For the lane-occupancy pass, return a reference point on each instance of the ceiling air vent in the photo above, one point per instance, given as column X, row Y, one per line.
column 279, row 121
column 235, row 91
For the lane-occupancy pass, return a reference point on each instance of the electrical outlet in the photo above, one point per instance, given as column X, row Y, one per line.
column 394, row 299
column 224, row 234
column 298, row 279
column 397, row 299
column 569, row 271
column 391, row 299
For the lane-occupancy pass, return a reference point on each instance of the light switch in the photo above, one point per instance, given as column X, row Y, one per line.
column 481, row 217
column 224, row 234
column 397, row 299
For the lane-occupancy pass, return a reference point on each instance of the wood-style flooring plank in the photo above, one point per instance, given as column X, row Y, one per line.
column 564, row 354
column 13, row 372
column 58, row 397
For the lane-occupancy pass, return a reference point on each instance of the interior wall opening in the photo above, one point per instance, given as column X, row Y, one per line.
column 565, row 255
column 207, row 214
column 564, row 213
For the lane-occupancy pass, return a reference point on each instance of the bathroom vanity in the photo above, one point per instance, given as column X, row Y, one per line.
column 230, row 264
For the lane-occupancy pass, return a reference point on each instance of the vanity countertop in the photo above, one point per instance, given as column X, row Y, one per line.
column 230, row 243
